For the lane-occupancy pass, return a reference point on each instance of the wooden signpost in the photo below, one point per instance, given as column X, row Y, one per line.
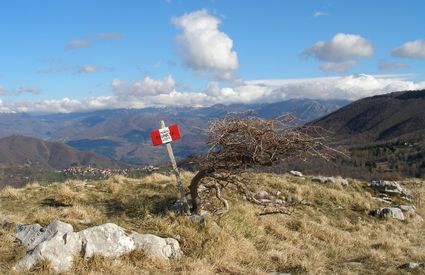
column 165, row 135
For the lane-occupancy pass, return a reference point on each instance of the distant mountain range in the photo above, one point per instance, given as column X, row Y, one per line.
column 385, row 134
column 123, row 134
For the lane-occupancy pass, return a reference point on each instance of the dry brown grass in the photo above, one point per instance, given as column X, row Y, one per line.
column 158, row 178
column 33, row 185
column 66, row 195
column 10, row 192
column 329, row 228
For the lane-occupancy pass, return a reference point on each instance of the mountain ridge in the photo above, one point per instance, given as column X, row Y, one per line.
column 384, row 135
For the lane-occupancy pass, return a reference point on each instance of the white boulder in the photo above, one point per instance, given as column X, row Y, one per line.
column 59, row 244
column 296, row 173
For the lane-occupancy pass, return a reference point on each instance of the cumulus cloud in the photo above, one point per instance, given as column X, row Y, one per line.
column 88, row 41
column 386, row 66
column 341, row 52
column 149, row 92
column 203, row 47
column 411, row 49
column 341, row 47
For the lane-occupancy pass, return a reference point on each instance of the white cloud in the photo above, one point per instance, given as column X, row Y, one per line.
column 88, row 41
column 385, row 66
column 84, row 69
column 149, row 92
column 89, row 68
column 75, row 44
column 144, row 87
column 341, row 52
column 20, row 90
column 411, row 49
column 350, row 87
column 203, row 46
column 25, row 89
column 341, row 47
column 320, row 13
column 340, row 67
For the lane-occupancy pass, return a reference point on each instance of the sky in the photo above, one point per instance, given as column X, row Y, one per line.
column 67, row 56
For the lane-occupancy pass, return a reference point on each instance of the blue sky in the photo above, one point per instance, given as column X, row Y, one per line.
column 80, row 55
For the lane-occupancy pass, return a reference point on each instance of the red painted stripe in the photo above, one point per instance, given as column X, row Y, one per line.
column 156, row 138
column 174, row 132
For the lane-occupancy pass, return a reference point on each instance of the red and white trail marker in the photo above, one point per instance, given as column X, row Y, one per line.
column 165, row 135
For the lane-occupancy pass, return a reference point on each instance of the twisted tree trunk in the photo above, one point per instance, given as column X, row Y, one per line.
column 193, row 187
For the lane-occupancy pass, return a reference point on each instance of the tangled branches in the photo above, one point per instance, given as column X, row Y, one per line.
column 237, row 144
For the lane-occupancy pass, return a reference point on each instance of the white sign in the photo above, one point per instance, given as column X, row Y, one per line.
column 165, row 135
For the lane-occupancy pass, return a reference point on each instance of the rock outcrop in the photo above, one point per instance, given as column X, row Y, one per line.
column 390, row 188
column 296, row 173
column 58, row 243
column 326, row 180
column 388, row 212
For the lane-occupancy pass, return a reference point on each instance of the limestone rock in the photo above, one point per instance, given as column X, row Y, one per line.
column 154, row 246
column 392, row 188
column 32, row 235
column 342, row 181
column 59, row 244
column 59, row 249
column 388, row 212
column 296, row 173
column 107, row 240
column 323, row 180
column 409, row 209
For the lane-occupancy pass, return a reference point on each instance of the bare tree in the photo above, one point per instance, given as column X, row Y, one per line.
column 237, row 144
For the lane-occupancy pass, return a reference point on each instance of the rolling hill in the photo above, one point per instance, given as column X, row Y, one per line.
column 36, row 153
column 385, row 136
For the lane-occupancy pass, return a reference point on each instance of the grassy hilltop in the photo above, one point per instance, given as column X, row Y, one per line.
column 329, row 229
